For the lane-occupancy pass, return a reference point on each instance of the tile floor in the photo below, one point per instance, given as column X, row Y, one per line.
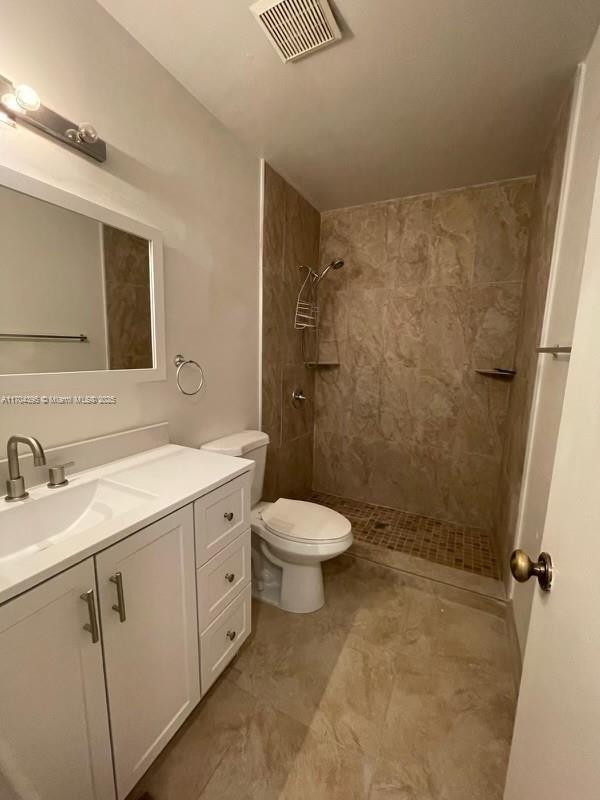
column 394, row 690
column 456, row 546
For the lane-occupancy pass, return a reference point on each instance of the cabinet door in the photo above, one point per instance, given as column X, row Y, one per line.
column 147, row 598
column 54, row 737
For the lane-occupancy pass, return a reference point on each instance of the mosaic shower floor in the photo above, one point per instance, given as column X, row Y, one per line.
column 460, row 547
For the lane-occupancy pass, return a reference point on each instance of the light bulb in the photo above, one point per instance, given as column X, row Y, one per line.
column 27, row 97
column 9, row 101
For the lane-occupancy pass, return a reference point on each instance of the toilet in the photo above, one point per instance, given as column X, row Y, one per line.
column 290, row 538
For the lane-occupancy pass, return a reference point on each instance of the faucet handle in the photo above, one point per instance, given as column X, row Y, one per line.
column 56, row 473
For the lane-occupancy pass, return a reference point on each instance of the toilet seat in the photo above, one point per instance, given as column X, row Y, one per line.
column 304, row 522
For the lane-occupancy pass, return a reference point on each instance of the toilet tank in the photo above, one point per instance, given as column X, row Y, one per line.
column 246, row 444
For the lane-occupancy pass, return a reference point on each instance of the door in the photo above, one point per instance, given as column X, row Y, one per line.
column 54, row 737
column 556, row 750
column 147, row 599
column 550, row 380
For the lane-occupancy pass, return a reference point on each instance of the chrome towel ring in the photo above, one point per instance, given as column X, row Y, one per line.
column 180, row 362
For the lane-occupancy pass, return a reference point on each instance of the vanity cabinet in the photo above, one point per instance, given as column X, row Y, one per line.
column 147, row 599
column 131, row 637
column 54, row 735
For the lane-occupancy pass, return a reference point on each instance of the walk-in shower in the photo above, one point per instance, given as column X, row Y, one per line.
column 307, row 310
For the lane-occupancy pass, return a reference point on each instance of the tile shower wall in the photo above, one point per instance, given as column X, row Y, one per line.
column 290, row 237
column 543, row 225
column 431, row 290
column 127, row 281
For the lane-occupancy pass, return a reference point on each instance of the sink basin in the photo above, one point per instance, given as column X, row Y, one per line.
column 41, row 521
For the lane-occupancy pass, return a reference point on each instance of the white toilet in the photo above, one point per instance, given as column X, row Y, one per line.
column 290, row 538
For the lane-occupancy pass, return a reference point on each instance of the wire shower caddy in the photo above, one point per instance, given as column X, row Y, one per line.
column 307, row 306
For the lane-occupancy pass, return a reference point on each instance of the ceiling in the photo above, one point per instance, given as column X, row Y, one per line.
column 419, row 95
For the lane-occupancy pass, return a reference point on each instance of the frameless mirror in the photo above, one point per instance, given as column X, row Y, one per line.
column 76, row 292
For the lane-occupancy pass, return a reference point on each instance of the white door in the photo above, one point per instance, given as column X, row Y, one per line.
column 551, row 378
column 556, row 743
column 54, row 737
column 147, row 597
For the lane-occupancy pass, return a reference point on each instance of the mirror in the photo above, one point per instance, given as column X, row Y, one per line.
column 76, row 292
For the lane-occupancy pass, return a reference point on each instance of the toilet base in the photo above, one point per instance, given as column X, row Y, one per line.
column 292, row 587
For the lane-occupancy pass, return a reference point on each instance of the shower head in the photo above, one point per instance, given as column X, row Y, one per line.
column 337, row 263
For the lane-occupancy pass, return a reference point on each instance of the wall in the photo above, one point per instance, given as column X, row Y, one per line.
column 431, row 290
column 543, row 226
column 171, row 165
column 290, row 238
column 52, row 283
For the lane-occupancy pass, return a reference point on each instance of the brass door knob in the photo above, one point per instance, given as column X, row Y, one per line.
column 523, row 568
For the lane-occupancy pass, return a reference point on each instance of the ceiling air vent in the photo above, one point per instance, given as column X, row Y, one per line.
column 296, row 27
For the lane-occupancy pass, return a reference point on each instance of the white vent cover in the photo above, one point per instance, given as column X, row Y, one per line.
column 296, row 27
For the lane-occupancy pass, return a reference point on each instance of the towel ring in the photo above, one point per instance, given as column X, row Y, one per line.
column 180, row 362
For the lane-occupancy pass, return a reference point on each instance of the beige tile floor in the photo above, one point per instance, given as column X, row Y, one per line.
column 393, row 690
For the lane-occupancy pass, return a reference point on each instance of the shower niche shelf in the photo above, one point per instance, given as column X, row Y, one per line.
column 321, row 364
column 497, row 373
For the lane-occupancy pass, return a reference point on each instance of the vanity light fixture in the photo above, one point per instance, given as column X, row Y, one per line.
column 22, row 103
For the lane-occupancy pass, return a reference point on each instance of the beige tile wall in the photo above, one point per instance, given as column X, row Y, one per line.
column 290, row 237
column 431, row 290
column 543, row 225
column 128, row 312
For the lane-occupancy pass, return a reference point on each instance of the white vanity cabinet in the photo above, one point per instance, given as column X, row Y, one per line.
column 101, row 664
column 54, row 735
column 147, row 599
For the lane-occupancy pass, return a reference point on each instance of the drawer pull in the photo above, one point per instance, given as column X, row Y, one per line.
column 231, row 635
column 230, row 577
column 228, row 515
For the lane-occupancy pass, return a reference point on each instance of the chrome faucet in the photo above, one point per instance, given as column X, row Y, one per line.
column 15, row 485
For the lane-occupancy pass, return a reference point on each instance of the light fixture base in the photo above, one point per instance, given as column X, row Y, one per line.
column 43, row 119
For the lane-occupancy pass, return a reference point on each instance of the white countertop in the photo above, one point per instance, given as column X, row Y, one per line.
column 171, row 475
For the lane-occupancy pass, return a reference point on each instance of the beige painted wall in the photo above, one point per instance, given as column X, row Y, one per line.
column 171, row 165
column 290, row 238
column 52, row 282
column 431, row 290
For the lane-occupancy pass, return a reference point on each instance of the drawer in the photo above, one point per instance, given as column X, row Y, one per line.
column 223, row 638
column 222, row 578
column 221, row 516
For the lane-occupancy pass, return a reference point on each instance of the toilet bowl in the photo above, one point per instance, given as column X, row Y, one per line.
column 290, row 538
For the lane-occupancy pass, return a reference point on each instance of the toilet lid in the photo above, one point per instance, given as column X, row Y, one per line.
column 297, row 519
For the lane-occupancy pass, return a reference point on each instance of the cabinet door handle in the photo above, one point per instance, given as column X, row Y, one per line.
column 228, row 515
column 92, row 625
column 231, row 635
column 230, row 576
column 119, row 606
